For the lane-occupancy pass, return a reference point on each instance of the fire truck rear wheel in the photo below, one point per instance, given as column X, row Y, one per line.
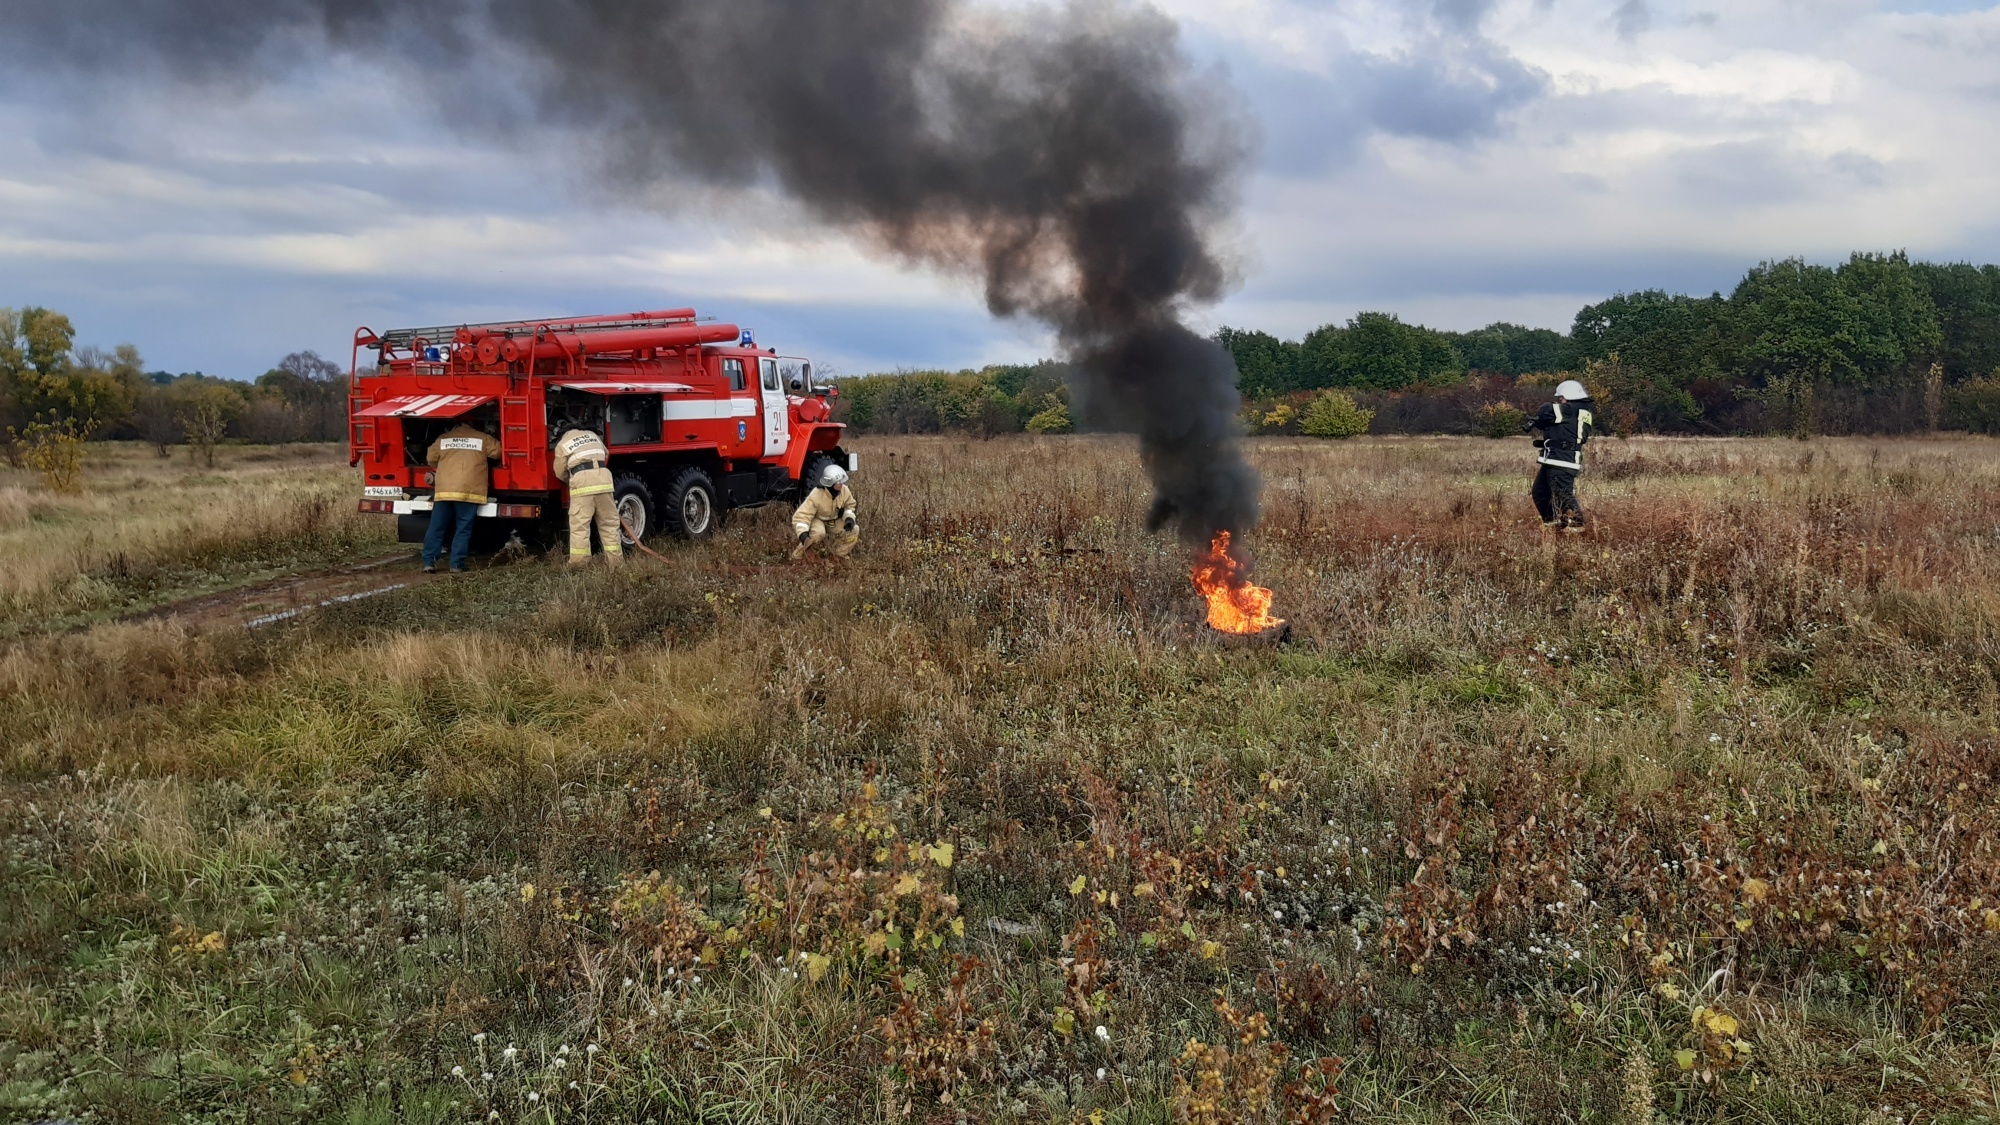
column 691, row 510
column 635, row 508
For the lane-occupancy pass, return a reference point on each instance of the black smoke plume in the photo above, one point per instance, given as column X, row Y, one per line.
column 1071, row 157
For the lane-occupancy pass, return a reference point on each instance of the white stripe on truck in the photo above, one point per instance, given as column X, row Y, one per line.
column 708, row 409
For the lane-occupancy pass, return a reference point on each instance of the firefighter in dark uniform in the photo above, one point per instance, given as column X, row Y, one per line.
column 1565, row 426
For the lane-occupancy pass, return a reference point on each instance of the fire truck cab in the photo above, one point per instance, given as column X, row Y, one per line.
column 699, row 420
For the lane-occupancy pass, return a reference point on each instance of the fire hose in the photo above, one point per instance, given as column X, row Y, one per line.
column 634, row 537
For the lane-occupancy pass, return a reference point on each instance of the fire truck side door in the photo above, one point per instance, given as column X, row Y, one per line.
column 777, row 420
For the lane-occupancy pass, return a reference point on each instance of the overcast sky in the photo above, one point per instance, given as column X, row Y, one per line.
column 1454, row 161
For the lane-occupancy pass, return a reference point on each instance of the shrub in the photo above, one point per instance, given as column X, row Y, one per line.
column 55, row 450
column 1334, row 415
column 1501, row 419
column 1052, row 419
column 1974, row 405
column 1279, row 418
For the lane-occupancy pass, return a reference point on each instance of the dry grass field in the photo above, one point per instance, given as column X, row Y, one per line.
column 146, row 530
column 1694, row 818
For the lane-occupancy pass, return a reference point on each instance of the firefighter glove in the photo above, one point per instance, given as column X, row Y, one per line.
column 850, row 523
column 1538, row 443
column 804, row 536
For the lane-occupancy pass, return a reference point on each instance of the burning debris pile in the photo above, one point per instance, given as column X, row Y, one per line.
column 1070, row 158
column 1235, row 604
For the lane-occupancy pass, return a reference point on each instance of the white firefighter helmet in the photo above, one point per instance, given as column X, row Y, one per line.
column 833, row 476
column 1570, row 390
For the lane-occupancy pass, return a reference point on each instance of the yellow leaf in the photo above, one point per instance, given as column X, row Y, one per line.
column 1757, row 889
column 1142, row 890
column 1715, row 1021
column 1881, row 847
column 527, row 892
column 908, row 884
column 941, row 854
column 816, row 966
column 1065, row 1022
column 1992, row 920
column 1076, row 887
column 1685, row 1057
column 765, row 812
column 1670, row 991
column 1210, row 950
column 297, row 1077
column 1871, row 784
column 1742, row 924
column 876, row 944
column 958, row 927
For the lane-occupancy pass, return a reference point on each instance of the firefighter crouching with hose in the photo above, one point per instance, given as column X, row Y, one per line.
column 583, row 463
column 1565, row 425
column 826, row 516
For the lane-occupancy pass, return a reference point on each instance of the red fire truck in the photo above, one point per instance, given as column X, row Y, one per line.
column 699, row 420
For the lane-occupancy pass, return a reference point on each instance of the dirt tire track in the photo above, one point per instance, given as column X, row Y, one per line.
column 290, row 594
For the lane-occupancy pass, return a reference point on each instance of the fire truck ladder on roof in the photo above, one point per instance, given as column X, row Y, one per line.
column 405, row 339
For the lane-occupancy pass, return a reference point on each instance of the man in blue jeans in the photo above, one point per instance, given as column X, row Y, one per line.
column 458, row 490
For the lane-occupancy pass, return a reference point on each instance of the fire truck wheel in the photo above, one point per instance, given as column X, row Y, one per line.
column 816, row 464
column 635, row 508
column 691, row 510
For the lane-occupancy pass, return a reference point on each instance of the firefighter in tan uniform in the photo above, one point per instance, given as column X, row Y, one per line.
column 582, row 462
column 458, row 490
column 827, row 515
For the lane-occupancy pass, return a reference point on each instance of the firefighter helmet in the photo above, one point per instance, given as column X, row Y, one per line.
column 833, row 476
column 1571, row 390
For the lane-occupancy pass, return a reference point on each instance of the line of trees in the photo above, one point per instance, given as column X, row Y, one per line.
column 1005, row 398
column 1877, row 344
column 49, row 385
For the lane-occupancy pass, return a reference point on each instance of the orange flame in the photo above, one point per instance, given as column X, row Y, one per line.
column 1234, row 604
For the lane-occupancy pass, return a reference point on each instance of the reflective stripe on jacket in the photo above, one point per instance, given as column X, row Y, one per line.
column 821, row 506
column 1565, row 430
column 580, row 446
column 460, row 457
